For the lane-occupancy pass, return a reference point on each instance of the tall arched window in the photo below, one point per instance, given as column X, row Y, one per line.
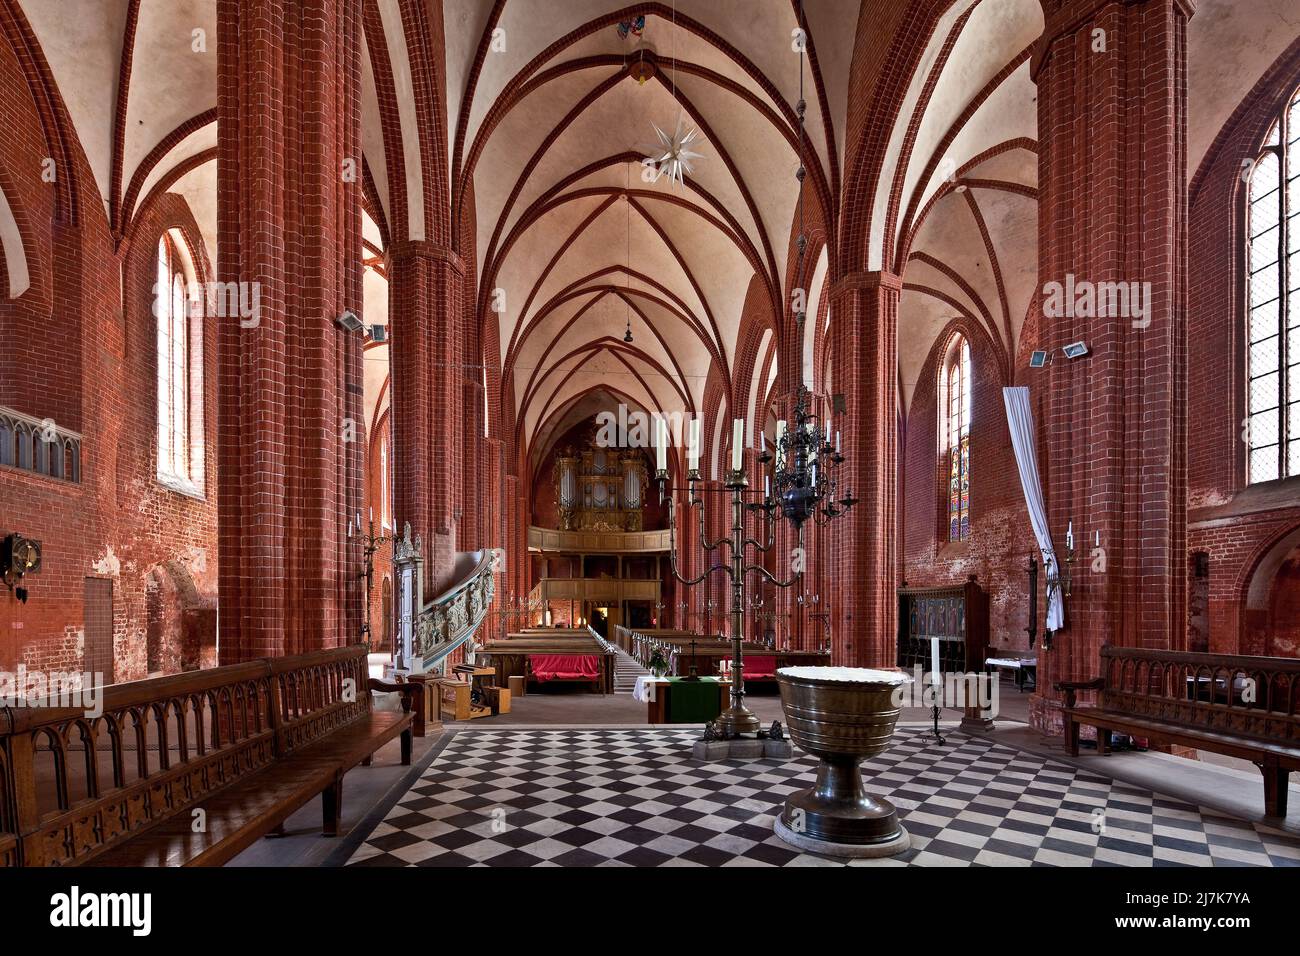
column 1273, row 302
column 954, row 431
column 180, row 391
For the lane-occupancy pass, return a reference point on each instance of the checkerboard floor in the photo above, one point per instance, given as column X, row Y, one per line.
column 595, row 797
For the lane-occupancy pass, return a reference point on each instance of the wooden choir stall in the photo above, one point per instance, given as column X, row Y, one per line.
column 958, row 615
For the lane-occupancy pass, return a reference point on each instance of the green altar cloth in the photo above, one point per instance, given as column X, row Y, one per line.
column 692, row 702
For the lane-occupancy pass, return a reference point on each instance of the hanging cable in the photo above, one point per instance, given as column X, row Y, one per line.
column 627, row 298
column 801, row 243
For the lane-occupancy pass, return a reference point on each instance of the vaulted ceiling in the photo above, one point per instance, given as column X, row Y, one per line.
column 583, row 240
column 549, row 109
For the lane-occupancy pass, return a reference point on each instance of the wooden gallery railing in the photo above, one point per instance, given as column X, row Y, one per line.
column 72, row 784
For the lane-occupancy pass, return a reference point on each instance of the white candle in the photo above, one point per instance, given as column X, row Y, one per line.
column 934, row 660
column 767, row 487
column 1069, row 535
column 693, row 444
column 1099, row 539
column 661, row 445
column 737, row 443
column 828, row 431
column 837, row 443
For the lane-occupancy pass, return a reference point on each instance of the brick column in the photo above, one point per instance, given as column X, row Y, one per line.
column 1113, row 198
column 470, row 528
column 291, row 429
column 865, row 357
column 425, row 285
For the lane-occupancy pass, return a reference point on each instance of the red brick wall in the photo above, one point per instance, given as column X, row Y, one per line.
column 1001, row 540
column 73, row 351
column 1235, row 525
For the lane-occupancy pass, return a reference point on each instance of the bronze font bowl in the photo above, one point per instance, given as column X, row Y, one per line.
column 842, row 716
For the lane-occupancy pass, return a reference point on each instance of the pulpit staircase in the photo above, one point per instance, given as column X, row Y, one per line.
column 426, row 638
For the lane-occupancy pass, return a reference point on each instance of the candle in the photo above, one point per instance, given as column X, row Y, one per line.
column 934, row 660
column 780, row 433
column 372, row 515
column 767, row 487
column 693, row 444
column 1069, row 535
column 1098, row 539
column 837, row 443
column 737, row 443
column 828, row 431
column 358, row 520
column 349, row 527
column 661, row 445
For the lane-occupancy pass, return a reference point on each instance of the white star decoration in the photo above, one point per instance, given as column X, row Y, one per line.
column 672, row 155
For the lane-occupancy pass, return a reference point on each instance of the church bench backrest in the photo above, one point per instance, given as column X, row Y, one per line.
column 317, row 693
column 1256, row 697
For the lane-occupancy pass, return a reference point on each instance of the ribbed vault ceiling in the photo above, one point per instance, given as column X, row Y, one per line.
column 544, row 129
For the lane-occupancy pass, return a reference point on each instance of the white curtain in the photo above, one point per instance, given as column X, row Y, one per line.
column 1020, row 421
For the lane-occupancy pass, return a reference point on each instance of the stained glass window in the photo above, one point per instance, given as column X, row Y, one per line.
column 955, row 385
column 1273, row 303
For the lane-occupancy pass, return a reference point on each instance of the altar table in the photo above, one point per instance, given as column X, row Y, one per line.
column 676, row 700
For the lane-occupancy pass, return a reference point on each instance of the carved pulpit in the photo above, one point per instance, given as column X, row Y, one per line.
column 408, row 569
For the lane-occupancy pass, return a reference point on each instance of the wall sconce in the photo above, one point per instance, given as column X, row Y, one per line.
column 18, row 556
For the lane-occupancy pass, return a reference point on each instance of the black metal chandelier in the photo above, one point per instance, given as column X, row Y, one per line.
column 804, row 464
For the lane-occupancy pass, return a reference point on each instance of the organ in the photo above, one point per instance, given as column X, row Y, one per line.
column 600, row 489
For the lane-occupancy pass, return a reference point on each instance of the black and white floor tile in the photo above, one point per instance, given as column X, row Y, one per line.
column 595, row 797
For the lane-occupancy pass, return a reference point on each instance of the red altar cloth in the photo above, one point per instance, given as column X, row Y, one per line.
column 565, row 666
column 762, row 665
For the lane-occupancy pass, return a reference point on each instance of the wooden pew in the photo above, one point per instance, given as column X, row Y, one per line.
column 238, row 748
column 1247, row 707
column 512, row 657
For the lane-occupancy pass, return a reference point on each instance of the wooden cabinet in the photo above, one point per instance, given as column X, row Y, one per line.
column 958, row 615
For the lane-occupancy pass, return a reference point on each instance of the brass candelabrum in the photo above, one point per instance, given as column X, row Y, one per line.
column 514, row 607
column 370, row 545
column 801, row 475
column 823, row 616
column 1058, row 578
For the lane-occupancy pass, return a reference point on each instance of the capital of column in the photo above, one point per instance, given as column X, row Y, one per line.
column 1070, row 16
column 424, row 249
column 865, row 281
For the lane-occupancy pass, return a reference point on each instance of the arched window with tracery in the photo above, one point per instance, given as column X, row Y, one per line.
column 1273, row 302
column 954, row 432
column 180, row 370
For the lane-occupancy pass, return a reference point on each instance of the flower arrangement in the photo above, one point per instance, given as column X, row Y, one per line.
column 658, row 664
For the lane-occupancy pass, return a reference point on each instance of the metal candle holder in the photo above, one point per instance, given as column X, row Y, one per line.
column 801, row 477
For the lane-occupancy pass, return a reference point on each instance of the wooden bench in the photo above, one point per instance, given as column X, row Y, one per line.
column 1247, row 707
column 231, row 752
column 513, row 658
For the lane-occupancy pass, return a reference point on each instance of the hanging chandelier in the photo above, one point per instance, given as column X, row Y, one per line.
column 804, row 463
